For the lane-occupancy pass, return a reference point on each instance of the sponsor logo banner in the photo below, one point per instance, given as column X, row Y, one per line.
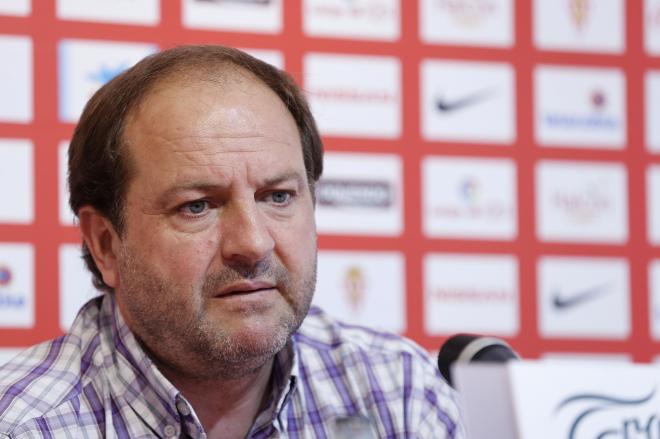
column 580, row 107
column 652, row 26
column 583, row 297
column 15, row 7
column 356, row 96
column 366, row 288
column 352, row 198
column 145, row 12
column 16, row 79
column 471, row 293
column 457, row 94
column 653, row 203
column 364, row 19
column 580, row 25
column 76, row 286
column 581, row 202
column 654, row 292
column 16, row 286
column 84, row 66
column 16, row 182
column 260, row 16
column 67, row 218
column 272, row 57
column 652, row 110
column 468, row 22
column 469, row 198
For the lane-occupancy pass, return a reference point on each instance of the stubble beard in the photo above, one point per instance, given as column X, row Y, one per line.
column 172, row 323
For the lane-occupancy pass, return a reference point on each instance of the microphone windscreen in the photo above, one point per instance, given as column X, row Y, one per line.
column 465, row 348
column 450, row 351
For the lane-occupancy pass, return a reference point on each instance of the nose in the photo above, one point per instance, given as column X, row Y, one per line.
column 245, row 237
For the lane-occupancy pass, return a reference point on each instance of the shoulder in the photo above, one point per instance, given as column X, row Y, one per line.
column 380, row 372
column 322, row 333
column 49, row 376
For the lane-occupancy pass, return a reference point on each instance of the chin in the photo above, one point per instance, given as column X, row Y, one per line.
column 263, row 333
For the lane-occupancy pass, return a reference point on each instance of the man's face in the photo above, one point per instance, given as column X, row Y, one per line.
column 217, row 263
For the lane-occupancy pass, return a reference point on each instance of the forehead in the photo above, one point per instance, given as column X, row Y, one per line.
column 204, row 119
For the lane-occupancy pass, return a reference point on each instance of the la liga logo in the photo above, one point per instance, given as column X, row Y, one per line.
column 5, row 276
column 612, row 416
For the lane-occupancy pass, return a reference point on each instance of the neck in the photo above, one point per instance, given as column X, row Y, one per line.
column 227, row 408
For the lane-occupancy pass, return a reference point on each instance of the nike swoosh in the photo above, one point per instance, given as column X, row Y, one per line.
column 564, row 302
column 447, row 106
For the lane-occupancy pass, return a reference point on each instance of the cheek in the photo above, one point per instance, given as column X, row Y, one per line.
column 181, row 258
column 296, row 244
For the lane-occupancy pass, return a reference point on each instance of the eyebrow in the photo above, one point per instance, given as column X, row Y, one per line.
column 285, row 177
column 209, row 187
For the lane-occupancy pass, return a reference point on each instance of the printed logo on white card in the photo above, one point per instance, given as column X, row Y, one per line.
column 469, row 198
column 580, row 107
column 456, row 94
column 144, row 12
column 356, row 19
column 354, row 96
column 16, row 181
column 16, row 286
column 652, row 107
column 259, row 16
column 76, row 286
column 16, row 79
column 67, row 218
column 653, row 204
column 580, row 25
column 581, row 202
column 582, row 297
column 654, row 299
column 20, row 8
column 471, row 293
column 360, row 194
column 84, row 66
column 467, row 22
column 365, row 288
column 652, row 27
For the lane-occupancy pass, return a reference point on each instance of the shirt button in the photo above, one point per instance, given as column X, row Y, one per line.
column 169, row 431
column 183, row 408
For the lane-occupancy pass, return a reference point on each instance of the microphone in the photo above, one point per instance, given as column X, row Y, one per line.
column 466, row 348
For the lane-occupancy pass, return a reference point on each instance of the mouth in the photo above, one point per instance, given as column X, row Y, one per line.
column 245, row 288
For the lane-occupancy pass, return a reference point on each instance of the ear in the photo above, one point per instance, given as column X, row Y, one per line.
column 102, row 241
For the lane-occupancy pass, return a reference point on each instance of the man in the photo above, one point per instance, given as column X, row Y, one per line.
column 192, row 175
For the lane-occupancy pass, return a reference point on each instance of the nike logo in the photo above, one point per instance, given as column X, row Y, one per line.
column 447, row 106
column 561, row 303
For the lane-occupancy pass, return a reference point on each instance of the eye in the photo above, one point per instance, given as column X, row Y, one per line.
column 195, row 207
column 280, row 197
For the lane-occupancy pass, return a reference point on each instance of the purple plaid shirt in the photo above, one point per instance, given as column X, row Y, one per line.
column 331, row 381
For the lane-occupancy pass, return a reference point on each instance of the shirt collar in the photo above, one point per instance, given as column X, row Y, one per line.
column 285, row 375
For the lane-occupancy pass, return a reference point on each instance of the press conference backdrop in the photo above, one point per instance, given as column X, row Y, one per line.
column 492, row 166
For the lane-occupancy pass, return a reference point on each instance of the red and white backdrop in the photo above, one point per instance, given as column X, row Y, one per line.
column 492, row 166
